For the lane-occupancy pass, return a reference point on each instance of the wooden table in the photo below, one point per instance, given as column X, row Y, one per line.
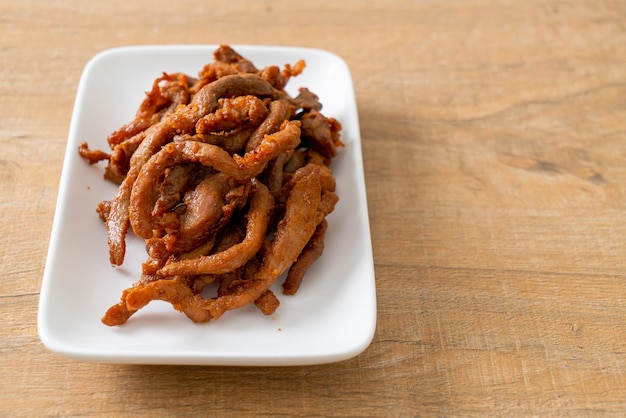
column 494, row 146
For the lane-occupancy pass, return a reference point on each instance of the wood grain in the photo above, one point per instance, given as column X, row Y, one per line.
column 494, row 146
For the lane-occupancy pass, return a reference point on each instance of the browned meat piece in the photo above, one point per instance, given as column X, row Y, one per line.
column 168, row 92
column 306, row 100
column 305, row 210
column 237, row 255
column 231, row 125
column 175, row 182
column 278, row 78
column 91, row 156
column 228, row 55
column 280, row 111
column 274, row 174
column 307, row 257
column 321, row 133
column 267, row 302
column 176, row 291
column 208, row 207
column 103, row 209
column 119, row 163
column 233, row 115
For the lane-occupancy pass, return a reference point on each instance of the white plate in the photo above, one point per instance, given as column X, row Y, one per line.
column 332, row 317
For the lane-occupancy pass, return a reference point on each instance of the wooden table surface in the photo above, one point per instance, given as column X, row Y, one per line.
column 494, row 148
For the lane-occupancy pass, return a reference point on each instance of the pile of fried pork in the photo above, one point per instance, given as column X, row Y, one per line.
column 226, row 178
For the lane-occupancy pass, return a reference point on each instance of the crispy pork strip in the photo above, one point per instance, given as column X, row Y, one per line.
column 91, row 156
column 207, row 208
column 203, row 218
column 168, row 92
column 119, row 163
column 237, row 167
column 175, row 290
column 306, row 100
column 183, row 119
column 327, row 181
column 234, row 114
column 228, row 55
column 279, row 112
column 231, row 126
column 117, row 314
column 278, row 78
column 182, row 297
column 273, row 177
column 310, row 253
column 261, row 203
column 321, row 133
column 198, row 210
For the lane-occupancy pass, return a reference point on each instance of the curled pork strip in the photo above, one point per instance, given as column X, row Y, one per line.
column 279, row 112
column 168, row 92
column 237, row 255
column 229, row 61
column 274, row 174
column 202, row 219
column 233, row 115
column 208, row 206
column 125, row 141
column 226, row 61
column 237, row 279
column 192, row 211
column 237, row 167
column 182, row 297
column 327, row 182
column 231, row 126
column 175, row 182
column 183, row 119
column 175, row 290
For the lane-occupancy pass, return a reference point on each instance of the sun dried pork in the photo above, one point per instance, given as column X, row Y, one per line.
column 227, row 180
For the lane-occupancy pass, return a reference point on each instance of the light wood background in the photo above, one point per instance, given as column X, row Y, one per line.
column 494, row 145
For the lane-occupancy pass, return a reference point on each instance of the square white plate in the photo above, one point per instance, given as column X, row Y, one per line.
column 332, row 317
